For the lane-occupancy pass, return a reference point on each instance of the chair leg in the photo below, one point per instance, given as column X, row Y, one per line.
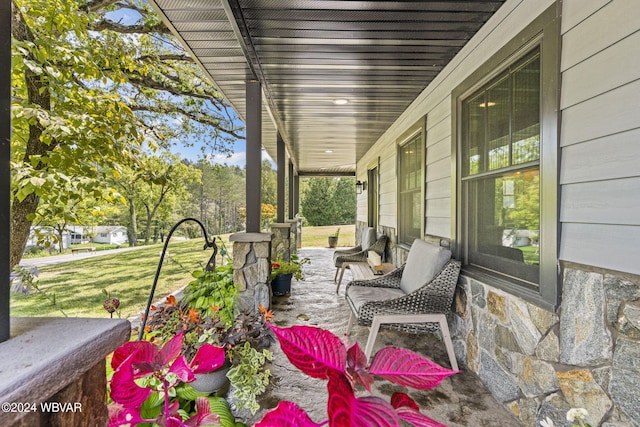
column 373, row 334
column 344, row 267
column 448, row 344
column 441, row 319
column 335, row 277
column 352, row 317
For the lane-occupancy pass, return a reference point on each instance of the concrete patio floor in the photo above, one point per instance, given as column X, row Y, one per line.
column 461, row 400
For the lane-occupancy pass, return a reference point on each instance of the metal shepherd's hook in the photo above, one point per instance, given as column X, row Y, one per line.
column 211, row 265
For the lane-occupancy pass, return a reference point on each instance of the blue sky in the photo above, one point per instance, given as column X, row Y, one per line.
column 193, row 152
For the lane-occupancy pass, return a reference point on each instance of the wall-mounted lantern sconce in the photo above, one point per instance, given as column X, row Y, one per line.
column 360, row 186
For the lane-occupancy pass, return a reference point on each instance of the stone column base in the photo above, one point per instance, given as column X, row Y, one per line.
column 251, row 269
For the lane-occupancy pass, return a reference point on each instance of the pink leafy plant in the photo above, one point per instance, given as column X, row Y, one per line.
column 159, row 369
column 320, row 354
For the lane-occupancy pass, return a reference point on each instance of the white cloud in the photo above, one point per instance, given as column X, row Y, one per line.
column 236, row 159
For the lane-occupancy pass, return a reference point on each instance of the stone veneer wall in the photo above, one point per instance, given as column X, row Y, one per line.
column 540, row 364
column 294, row 237
column 252, row 269
column 281, row 243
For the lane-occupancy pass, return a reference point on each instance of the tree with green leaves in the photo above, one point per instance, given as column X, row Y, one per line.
column 91, row 88
column 269, row 184
column 317, row 205
column 344, row 197
column 156, row 186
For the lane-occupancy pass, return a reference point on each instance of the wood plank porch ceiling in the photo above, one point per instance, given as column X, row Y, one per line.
column 377, row 55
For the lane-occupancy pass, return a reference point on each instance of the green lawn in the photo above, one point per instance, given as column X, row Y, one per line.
column 78, row 285
column 314, row 237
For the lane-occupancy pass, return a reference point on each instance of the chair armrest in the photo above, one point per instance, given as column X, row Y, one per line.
column 352, row 257
column 389, row 280
column 434, row 297
column 379, row 246
column 349, row 251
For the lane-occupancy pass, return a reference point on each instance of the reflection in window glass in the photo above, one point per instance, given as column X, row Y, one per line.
column 498, row 126
column 506, row 223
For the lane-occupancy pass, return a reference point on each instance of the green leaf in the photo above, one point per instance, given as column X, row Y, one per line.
column 220, row 407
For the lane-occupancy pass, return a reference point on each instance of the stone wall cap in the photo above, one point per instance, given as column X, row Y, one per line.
column 44, row 355
column 251, row 237
column 281, row 225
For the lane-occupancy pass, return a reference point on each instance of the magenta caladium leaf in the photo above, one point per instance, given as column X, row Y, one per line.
column 345, row 409
column 404, row 367
column 148, row 358
column 357, row 366
column 144, row 351
column 287, row 414
column 170, row 416
column 408, row 410
column 124, row 389
column 399, row 400
column 203, row 415
column 170, row 350
column 416, row 418
column 208, row 358
column 314, row 351
column 122, row 416
column 182, row 370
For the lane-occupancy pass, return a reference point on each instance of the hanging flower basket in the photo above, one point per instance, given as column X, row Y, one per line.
column 281, row 284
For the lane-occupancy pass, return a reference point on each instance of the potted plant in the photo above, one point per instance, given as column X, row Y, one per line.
column 333, row 238
column 244, row 342
column 283, row 271
column 146, row 380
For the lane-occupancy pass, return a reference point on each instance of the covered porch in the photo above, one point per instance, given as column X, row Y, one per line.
column 461, row 400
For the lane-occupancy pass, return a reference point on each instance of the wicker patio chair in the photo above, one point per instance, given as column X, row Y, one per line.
column 415, row 297
column 370, row 242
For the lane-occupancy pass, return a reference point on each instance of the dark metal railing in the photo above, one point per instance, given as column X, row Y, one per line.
column 5, row 169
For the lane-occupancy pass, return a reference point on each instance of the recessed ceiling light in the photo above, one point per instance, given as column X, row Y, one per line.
column 340, row 101
column 328, row 151
column 486, row 104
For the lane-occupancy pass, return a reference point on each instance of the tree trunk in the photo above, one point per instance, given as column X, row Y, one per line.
column 21, row 226
column 147, row 227
column 132, row 228
column 38, row 92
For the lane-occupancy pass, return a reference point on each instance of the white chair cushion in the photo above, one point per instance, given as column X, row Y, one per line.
column 363, row 294
column 368, row 238
column 424, row 262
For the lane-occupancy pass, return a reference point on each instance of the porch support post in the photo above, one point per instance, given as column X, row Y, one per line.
column 5, row 158
column 281, row 168
column 296, row 208
column 296, row 194
column 252, row 249
column 293, row 220
column 254, row 154
column 292, row 212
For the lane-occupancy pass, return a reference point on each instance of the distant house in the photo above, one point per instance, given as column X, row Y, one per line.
column 114, row 234
column 79, row 234
column 38, row 235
